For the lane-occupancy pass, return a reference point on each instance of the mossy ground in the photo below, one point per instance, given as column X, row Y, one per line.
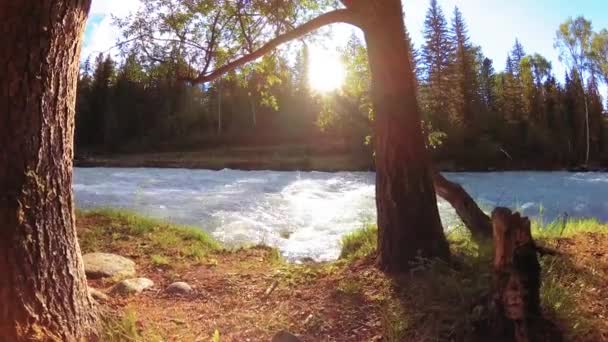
column 346, row 300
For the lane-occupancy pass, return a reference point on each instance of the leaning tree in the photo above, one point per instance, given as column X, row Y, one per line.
column 42, row 284
column 43, row 289
column 216, row 37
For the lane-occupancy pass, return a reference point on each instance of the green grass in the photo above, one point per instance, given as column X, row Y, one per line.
column 567, row 228
column 436, row 301
column 164, row 243
column 560, row 279
column 125, row 328
column 439, row 302
column 363, row 242
column 159, row 260
column 359, row 243
column 349, row 287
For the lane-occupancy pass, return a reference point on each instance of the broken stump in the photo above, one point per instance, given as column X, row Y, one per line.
column 516, row 281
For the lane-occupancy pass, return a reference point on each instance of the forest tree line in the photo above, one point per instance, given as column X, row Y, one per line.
column 475, row 116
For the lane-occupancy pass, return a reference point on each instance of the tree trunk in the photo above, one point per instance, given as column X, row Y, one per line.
column 219, row 108
column 587, row 128
column 516, row 276
column 408, row 218
column 43, row 289
column 254, row 117
column 477, row 222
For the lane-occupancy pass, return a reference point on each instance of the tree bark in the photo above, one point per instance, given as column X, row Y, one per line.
column 254, row 117
column 408, row 219
column 43, row 289
column 516, row 276
column 477, row 222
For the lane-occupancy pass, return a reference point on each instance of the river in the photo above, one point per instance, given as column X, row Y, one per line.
column 305, row 214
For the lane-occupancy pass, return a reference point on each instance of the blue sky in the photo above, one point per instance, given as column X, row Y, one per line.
column 493, row 24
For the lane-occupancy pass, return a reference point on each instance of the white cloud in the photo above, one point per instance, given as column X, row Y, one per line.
column 115, row 7
column 102, row 37
column 101, row 33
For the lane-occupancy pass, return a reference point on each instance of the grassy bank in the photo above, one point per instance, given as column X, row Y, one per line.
column 295, row 157
column 284, row 158
column 348, row 300
column 574, row 284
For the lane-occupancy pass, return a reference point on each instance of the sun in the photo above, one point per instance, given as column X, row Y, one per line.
column 325, row 71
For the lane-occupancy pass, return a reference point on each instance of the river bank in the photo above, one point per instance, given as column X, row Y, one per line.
column 294, row 158
column 251, row 293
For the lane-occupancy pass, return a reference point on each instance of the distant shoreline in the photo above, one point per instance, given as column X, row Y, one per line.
column 338, row 163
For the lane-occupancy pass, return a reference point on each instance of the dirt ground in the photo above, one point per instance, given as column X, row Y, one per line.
column 249, row 295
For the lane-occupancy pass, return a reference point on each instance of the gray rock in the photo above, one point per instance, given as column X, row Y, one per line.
column 284, row 336
column 132, row 286
column 102, row 265
column 98, row 295
column 180, row 288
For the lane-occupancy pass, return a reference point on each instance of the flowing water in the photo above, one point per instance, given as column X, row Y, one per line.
column 305, row 214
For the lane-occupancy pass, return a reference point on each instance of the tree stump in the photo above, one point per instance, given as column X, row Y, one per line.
column 516, row 283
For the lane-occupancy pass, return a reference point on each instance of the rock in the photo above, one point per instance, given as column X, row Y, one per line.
column 132, row 286
column 102, row 265
column 98, row 295
column 179, row 288
column 284, row 336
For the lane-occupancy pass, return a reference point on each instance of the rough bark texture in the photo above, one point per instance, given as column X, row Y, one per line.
column 516, row 276
column 43, row 290
column 408, row 218
column 478, row 223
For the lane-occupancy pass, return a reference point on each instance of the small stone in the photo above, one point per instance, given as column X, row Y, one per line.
column 132, row 286
column 98, row 295
column 179, row 288
column 284, row 336
column 103, row 265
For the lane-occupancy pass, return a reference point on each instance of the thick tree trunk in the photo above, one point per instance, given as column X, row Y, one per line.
column 516, row 276
column 408, row 218
column 478, row 223
column 254, row 116
column 43, row 289
column 219, row 108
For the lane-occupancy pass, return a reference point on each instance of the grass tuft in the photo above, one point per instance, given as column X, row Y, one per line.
column 110, row 230
column 567, row 228
column 159, row 260
column 360, row 243
column 125, row 328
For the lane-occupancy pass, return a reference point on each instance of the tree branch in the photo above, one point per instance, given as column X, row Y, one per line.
column 337, row 16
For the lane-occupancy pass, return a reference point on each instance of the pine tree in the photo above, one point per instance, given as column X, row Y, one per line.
column 487, row 78
column 596, row 109
column 302, row 83
column 101, row 92
column 517, row 55
column 436, row 58
column 414, row 55
column 128, row 101
column 576, row 117
column 508, row 96
column 513, row 91
column 463, row 74
column 84, row 107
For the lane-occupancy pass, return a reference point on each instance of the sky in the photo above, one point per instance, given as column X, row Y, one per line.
column 493, row 24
